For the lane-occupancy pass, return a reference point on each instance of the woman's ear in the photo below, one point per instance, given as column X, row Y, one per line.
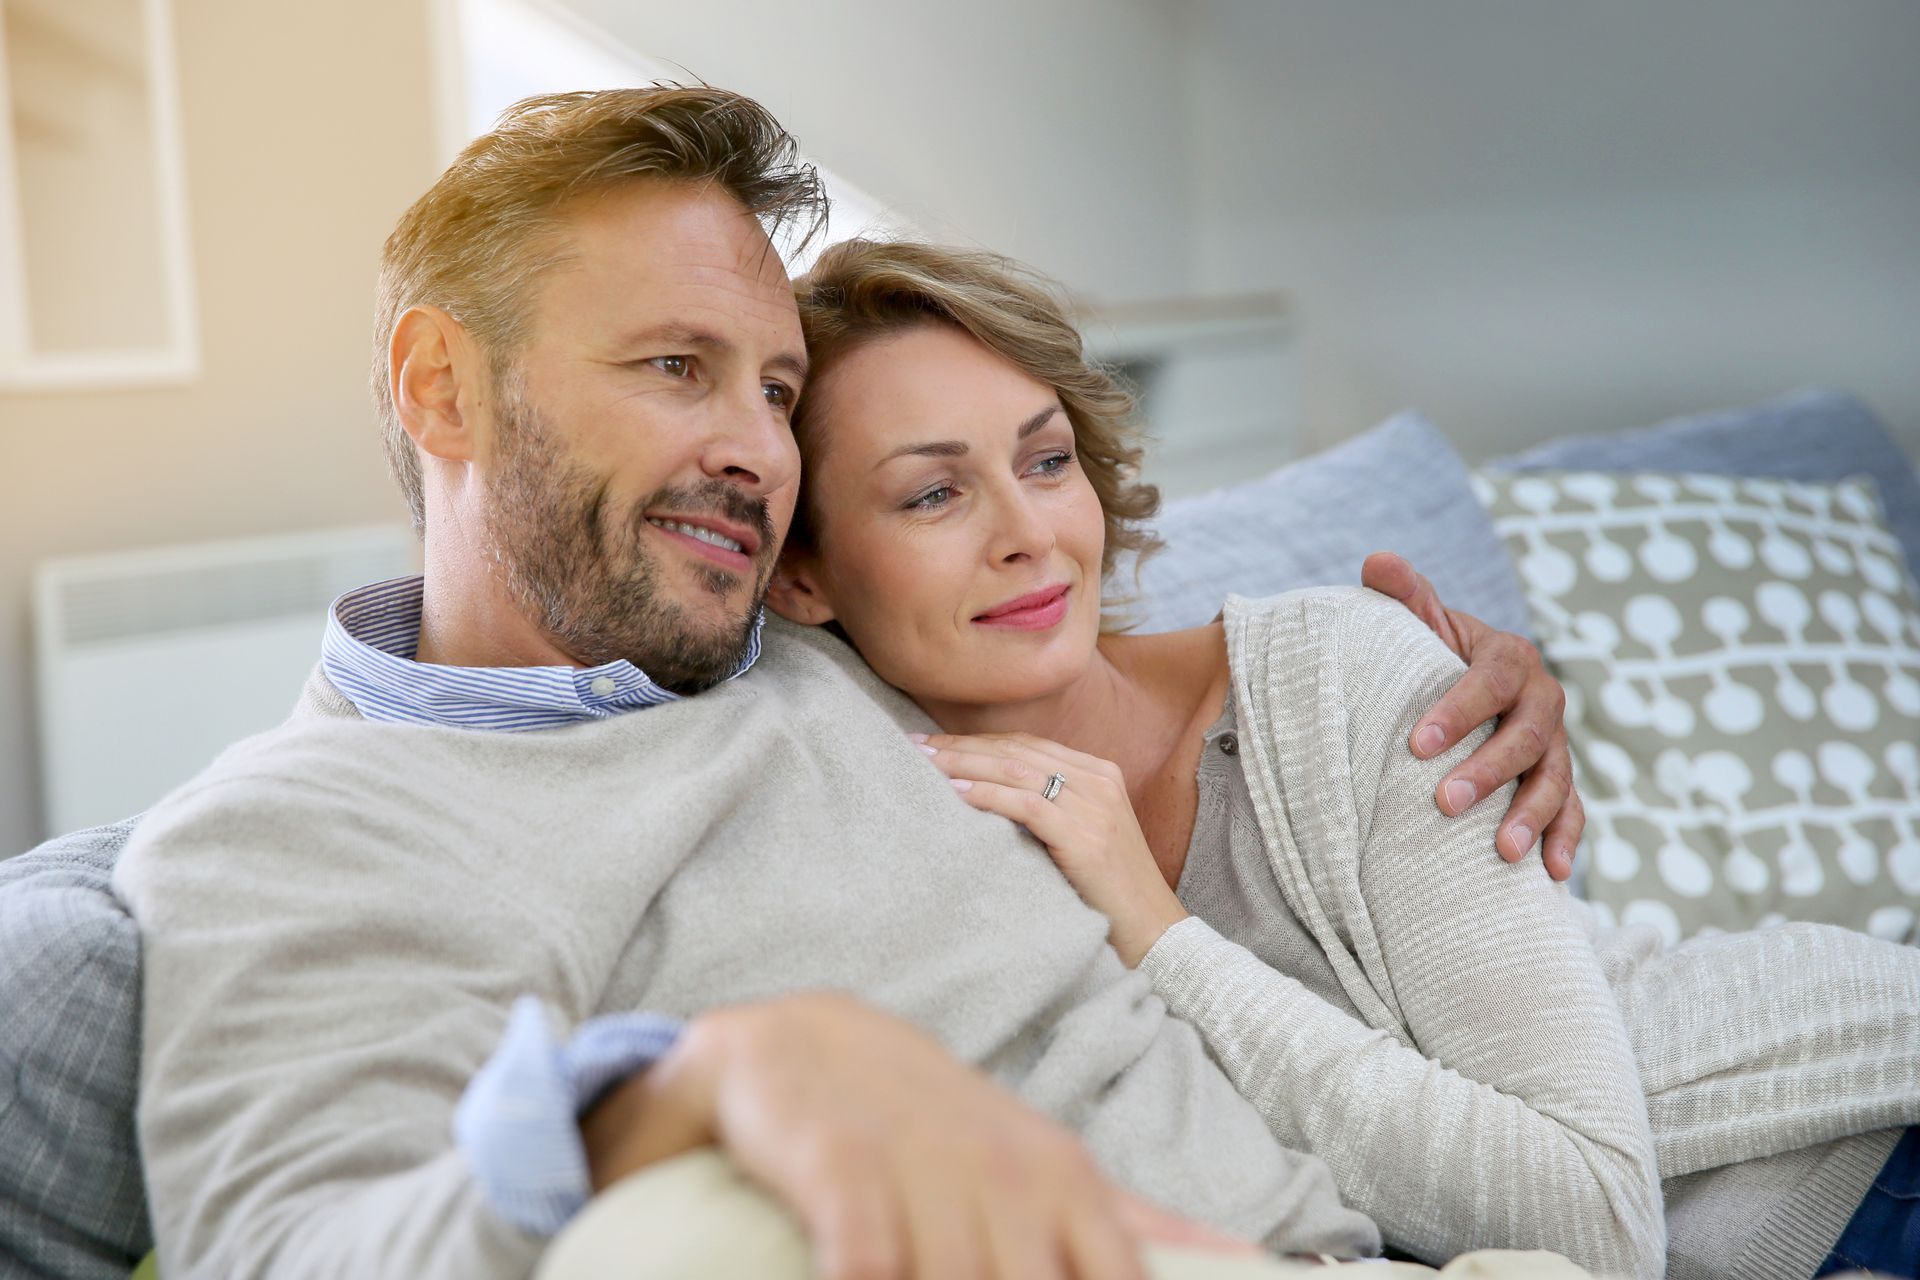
column 795, row 594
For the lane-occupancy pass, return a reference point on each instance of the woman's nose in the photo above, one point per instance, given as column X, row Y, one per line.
column 1023, row 531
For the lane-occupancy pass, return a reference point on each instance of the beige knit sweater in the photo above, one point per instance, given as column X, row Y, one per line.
column 338, row 915
column 1515, row 1077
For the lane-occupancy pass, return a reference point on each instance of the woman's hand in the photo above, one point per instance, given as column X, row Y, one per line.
column 1088, row 827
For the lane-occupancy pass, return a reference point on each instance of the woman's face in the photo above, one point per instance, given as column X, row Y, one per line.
column 958, row 540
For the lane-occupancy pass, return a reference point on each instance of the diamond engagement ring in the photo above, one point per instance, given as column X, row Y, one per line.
column 1054, row 784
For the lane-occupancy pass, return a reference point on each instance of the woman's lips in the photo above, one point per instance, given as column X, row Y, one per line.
column 1037, row 612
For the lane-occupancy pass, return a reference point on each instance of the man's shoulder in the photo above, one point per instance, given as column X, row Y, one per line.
column 810, row 665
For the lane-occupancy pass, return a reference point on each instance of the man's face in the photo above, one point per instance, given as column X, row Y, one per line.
column 642, row 473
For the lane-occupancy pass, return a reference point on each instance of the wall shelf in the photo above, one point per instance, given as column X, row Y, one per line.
column 1216, row 379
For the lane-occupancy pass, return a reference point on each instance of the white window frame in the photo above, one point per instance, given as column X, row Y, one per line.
column 177, row 360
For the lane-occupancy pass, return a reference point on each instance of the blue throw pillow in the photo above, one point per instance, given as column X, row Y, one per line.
column 1399, row 487
column 72, row 1202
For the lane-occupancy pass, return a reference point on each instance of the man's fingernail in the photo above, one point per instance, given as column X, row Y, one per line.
column 1460, row 795
column 961, row 784
column 1522, row 836
column 1428, row 740
column 916, row 737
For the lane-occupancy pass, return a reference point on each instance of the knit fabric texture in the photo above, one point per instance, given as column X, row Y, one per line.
column 1498, row 1072
column 339, row 915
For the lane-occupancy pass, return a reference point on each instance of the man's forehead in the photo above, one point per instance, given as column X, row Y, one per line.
column 649, row 254
column 675, row 231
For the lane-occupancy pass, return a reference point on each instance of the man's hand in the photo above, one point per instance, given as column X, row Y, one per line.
column 898, row 1160
column 1504, row 678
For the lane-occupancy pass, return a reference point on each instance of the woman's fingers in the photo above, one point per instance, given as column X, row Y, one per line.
column 979, row 766
column 1043, row 753
column 1044, row 818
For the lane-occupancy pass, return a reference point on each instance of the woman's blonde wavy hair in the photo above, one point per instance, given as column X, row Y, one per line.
column 861, row 291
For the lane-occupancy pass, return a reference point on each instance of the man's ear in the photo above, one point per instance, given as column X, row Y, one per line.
column 430, row 362
column 795, row 594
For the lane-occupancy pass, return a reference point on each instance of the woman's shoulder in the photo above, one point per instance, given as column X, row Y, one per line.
column 1356, row 624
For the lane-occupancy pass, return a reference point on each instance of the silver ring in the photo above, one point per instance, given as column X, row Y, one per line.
column 1054, row 784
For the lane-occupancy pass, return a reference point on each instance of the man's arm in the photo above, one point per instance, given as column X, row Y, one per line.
column 314, row 1017
column 1505, row 678
column 896, row 1159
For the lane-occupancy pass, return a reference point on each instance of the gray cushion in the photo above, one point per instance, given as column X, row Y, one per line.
column 1814, row 435
column 1400, row 487
column 72, row 1204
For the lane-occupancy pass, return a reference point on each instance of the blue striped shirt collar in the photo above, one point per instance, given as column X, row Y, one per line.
column 373, row 633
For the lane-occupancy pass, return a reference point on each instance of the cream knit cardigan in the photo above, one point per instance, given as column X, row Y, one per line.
column 1489, row 1093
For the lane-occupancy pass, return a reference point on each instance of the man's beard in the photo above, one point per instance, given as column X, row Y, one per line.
column 580, row 569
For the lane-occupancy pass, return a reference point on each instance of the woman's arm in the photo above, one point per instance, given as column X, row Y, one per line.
column 1514, row 1116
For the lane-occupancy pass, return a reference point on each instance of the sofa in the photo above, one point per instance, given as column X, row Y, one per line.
column 71, row 1202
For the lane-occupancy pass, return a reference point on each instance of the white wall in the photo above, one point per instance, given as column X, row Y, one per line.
column 296, row 170
column 1052, row 131
column 1528, row 219
column 1525, row 218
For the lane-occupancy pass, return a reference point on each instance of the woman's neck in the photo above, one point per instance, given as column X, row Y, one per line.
column 1134, row 705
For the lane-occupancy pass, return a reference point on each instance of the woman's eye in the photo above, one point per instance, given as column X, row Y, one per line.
column 932, row 498
column 673, row 366
column 1052, row 464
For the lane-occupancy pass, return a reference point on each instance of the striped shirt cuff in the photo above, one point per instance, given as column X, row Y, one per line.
column 518, row 1121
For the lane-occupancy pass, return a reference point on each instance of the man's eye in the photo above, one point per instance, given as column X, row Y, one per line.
column 779, row 394
column 673, row 366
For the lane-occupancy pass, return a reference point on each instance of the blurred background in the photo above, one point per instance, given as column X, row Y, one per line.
column 1289, row 218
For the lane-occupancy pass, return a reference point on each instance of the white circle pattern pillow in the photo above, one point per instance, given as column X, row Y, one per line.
column 1742, row 665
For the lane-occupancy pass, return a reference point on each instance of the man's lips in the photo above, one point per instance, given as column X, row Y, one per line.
column 1035, row 611
column 746, row 536
column 704, row 535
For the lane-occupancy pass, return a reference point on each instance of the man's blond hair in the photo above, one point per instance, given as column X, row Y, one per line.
column 475, row 242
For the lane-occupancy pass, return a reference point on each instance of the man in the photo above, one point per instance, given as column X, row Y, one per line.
column 497, row 785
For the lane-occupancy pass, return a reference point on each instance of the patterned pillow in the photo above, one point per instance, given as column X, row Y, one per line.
column 72, row 1204
column 1742, row 664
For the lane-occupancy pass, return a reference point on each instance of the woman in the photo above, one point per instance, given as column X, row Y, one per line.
column 1479, row 1065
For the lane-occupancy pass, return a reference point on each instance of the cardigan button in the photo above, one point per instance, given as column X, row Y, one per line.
column 1229, row 745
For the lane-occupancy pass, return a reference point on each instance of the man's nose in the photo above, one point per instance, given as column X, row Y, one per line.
column 750, row 443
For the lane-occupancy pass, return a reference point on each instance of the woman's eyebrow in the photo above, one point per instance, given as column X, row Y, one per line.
column 1037, row 421
column 959, row 448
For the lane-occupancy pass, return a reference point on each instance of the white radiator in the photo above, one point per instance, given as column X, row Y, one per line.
column 149, row 663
